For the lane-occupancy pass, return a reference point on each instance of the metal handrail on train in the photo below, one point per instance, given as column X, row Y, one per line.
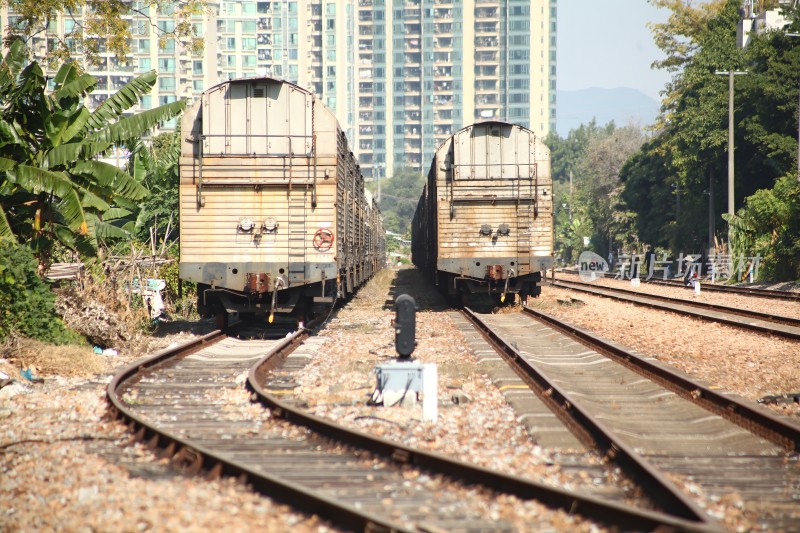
column 291, row 153
column 533, row 167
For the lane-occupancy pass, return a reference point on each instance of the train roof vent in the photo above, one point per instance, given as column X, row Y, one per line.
column 259, row 92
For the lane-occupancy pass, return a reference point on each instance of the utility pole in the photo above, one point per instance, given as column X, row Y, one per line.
column 730, row 74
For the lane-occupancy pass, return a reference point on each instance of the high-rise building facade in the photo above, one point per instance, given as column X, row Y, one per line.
column 428, row 67
column 401, row 75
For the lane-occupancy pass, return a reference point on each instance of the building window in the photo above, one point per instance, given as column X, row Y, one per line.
column 166, row 26
column 146, row 101
column 144, row 64
column 197, row 67
column 248, row 44
column 231, row 60
column 166, row 65
column 197, row 86
column 166, row 83
column 231, row 43
column 249, row 61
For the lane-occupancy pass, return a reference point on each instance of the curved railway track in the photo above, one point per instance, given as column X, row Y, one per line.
column 660, row 426
column 781, row 326
column 178, row 401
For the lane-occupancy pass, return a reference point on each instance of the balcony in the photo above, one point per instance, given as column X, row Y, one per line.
column 443, row 14
column 486, row 13
column 443, row 100
column 486, row 27
column 486, row 42
column 443, row 29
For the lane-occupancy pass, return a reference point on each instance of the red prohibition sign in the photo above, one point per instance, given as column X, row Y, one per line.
column 323, row 239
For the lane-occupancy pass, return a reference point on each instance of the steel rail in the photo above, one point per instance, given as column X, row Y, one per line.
column 592, row 508
column 754, row 418
column 748, row 291
column 732, row 289
column 637, row 297
column 196, row 458
column 657, row 486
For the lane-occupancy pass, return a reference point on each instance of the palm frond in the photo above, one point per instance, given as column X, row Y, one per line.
column 142, row 159
column 11, row 66
column 38, row 180
column 105, row 230
column 67, row 72
column 86, row 244
column 116, row 213
column 64, row 126
column 90, row 200
column 125, row 98
column 171, row 156
column 67, row 153
column 8, row 134
column 111, row 177
column 5, row 228
column 71, row 209
column 136, row 125
column 6, row 164
column 77, row 87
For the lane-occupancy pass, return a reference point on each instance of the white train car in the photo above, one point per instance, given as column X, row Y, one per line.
column 273, row 212
column 484, row 222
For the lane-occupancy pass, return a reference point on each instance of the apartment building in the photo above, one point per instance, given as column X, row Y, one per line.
column 401, row 75
column 426, row 68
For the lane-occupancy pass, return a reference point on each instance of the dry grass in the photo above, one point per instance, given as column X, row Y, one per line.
column 46, row 359
column 375, row 290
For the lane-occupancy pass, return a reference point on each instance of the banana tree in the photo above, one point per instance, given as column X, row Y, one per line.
column 53, row 185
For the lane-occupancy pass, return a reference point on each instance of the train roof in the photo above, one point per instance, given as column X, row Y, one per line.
column 266, row 79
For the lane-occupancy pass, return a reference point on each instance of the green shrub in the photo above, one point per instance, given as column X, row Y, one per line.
column 27, row 305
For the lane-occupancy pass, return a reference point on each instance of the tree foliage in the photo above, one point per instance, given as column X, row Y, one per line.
column 586, row 167
column 101, row 25
column 54, row 188
column 27, row 306
column 399, row 196
column 677, row 184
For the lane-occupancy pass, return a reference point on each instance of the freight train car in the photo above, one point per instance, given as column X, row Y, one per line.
column 484, row 222
column 273, row 213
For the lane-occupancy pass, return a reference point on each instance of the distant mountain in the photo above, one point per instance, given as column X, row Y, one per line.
column 622, row 105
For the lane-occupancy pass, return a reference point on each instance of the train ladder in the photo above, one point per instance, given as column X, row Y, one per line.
column 524, row 228
column 298, row 239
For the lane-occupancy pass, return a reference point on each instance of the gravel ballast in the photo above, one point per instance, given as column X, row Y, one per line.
column 64, row 466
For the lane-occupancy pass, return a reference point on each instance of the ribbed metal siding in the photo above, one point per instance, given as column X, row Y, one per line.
column 483, row 177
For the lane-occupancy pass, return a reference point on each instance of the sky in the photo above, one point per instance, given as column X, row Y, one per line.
column 607, row 44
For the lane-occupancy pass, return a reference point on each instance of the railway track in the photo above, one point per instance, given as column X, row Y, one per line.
column 180, row 401
column 730, row 289
column 772, row 324
column 662, row 428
